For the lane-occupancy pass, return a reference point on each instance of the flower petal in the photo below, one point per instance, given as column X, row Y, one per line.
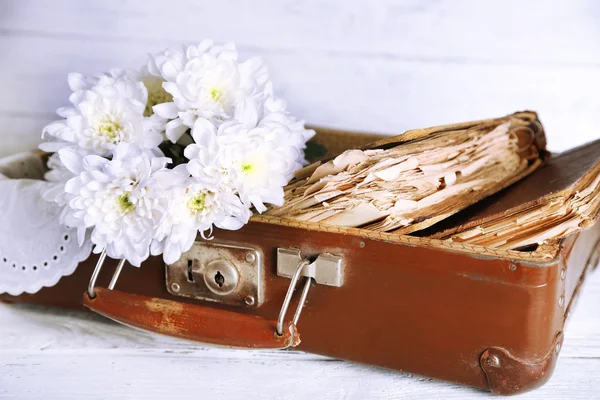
column 203, row 131
column 247, row 113
column 71, row 159
column 175, row 130
column 166, row 110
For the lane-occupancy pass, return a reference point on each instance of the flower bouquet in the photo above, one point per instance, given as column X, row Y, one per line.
column 145, row 160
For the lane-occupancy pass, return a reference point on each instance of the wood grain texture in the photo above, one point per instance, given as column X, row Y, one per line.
column 388, row 66
column 449, row 31
column 385, row 66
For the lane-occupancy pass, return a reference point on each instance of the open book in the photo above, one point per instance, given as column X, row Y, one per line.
column 412, row 181
column 488, row 183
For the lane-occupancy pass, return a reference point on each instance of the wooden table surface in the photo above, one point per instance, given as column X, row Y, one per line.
column 50, row 354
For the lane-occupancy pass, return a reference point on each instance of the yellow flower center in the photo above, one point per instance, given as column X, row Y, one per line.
column 110, row 129
column 197, row 203
column 216, row 94
column 247, row 168
column 125, row 204
column 156, row 94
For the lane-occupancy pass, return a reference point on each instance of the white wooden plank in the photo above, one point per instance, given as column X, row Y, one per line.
column 356, row 93
column 459, row 31
column 119, row 374
column 21, row 131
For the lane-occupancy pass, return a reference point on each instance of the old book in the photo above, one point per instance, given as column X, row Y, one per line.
column 410, row 182
column 563, row 196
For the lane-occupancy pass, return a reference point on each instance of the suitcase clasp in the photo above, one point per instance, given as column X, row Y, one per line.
column 326, row 269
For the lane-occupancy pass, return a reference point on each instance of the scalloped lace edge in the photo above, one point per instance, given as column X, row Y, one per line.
column 35, row 286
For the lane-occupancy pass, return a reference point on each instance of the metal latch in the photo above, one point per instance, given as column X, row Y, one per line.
column 326, row 269
column 219, row 272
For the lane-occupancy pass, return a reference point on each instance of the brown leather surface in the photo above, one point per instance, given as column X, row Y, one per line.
column 508, row 375
column 560, row 173
column 411, row 308
column 191, row 322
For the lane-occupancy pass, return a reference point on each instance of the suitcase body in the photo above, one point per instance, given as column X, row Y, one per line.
column 488, row 319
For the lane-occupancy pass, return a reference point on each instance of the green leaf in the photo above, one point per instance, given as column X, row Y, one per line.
column 174, row 151
column 314, row 150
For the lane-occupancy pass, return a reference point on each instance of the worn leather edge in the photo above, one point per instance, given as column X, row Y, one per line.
column 203, row 324
column 542, row 256
column 508, row 375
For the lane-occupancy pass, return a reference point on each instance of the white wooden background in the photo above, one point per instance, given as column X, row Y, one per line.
column 378, row 65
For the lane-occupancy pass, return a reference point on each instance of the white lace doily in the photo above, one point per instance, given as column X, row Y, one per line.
column 36, row 250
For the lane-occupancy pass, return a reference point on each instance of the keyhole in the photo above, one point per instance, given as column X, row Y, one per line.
column 219, row 279
column 190, row 274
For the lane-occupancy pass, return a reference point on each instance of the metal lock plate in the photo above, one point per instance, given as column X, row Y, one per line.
column 220, row 272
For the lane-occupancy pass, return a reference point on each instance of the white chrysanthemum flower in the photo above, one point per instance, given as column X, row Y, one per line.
column 168, row 63
column 208, row 82
column 194, row 206
column 205, row 156
column 275, row 109
column 119, row 198
column 58, row 174
column 256, row 162
column 80, row 83
column 107, row 110
column 246, row 148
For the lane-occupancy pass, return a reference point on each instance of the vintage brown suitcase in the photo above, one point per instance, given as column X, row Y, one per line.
column 483, row 317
